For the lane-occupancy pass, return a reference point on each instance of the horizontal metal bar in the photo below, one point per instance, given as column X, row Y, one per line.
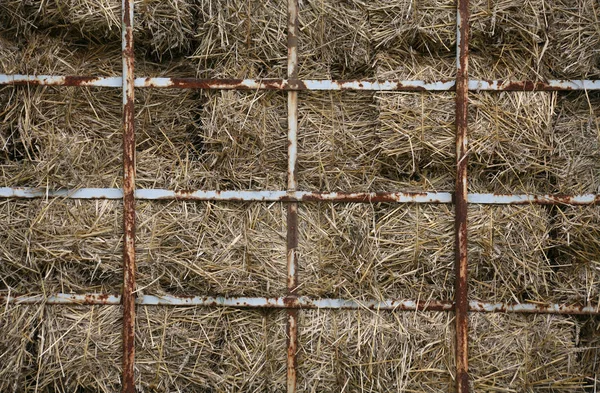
column 298, row 85
column 300, row 196
column 302, row 302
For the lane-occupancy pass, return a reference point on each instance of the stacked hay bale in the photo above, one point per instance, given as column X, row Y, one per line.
column 161, row 28
column 207, row 248
column 80, row 349
column 577, row 248
column 214, row 141
column 531, row 353
column 509, row 253
column 413, row 40
column 361, row 251
column 534, row 39
column 68, row 246
column 241, row 39
column 416, row 139
column 231, row 350
column 368, row 351
column 337, row 143
column 334, row 40
column 19, row 326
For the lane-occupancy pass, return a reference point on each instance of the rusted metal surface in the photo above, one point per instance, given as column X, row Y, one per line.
column 292, row 207
column 55, row 80
column 300, row 196
column 551, row 85
column 461, row 300
column 300, row 84
column 303, row 302
column 64, row 299
column 128, row 296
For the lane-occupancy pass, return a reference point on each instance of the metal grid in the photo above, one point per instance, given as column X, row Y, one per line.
column 292, row 302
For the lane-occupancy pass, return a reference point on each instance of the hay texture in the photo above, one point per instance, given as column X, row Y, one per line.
column 60, row 137
column 529, row 353
column 161, row 28
column 19, row 326
column 367, row 351
column 508, row 248
column 416, row 139
column 214, row 141
column 67, row 246
column 192, row 350
column 361, row 251
column 337, row 149
column 207, row 248
column 80, row 349
column 534, row 143
column 578, row 254
column 241, row 39
column 535, row 39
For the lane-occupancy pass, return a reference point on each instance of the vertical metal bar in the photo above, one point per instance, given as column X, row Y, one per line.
column 461, row 301
column 292, row 208
column 128, row 199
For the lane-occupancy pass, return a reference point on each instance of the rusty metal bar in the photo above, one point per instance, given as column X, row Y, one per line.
column 292, row 207
column 301, row 84
column 128, row 298
column 461, row 291
column 300, row 196
column 302, row 302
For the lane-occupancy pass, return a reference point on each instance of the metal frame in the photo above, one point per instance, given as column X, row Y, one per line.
column 293, row 302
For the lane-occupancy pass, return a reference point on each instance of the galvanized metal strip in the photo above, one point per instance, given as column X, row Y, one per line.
column 292, row 207
column 302, row 302
column 128, row 199
column 56, row 80
column 300, row 196
column 461, row 291
column 300, row 84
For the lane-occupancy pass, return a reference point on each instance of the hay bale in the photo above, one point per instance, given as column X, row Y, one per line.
column 589, row 345
column 397, row 63
column 577, row 246
column 366, row 351
column 576, row 162
column 337, row 143
column 534, row 143
column 207, row 248
column 508, row 259
column 334, row 40
column 46, row 53
column 416, row 138
column 535, row 39
column 426, row 26
column 510, row 141
column 231, row 350
column 241, row 39
column 69, row 246
column 161, row 28
column 363, row 251
column 216, row 141
column 80, row 349
column 18, row 347
column 511, row 352
column 60, row 137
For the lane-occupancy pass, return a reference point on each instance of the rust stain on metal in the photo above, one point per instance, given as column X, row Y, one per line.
column 461, row 291
column 531, row 86
column 128, row 298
